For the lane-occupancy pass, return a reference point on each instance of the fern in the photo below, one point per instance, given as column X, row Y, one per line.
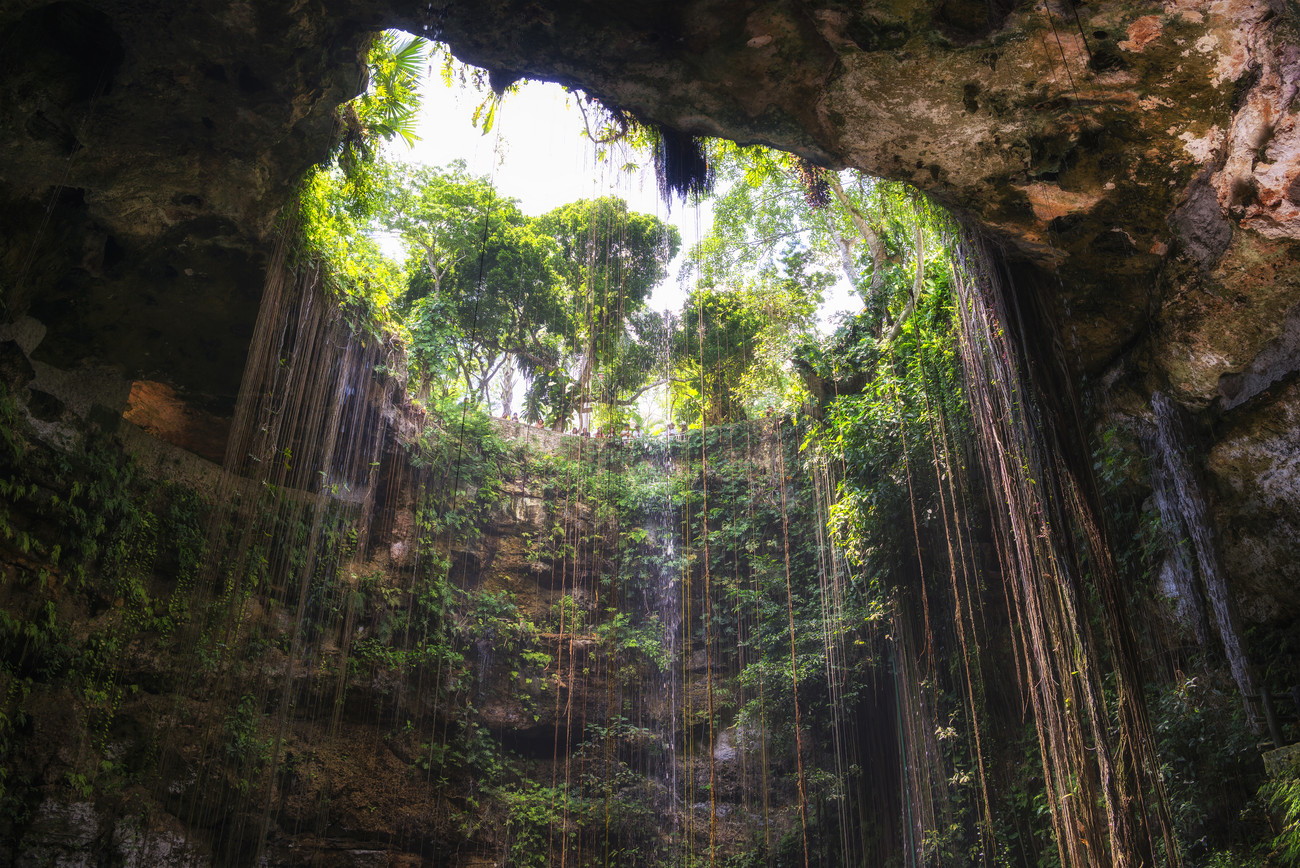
column 1284, row 797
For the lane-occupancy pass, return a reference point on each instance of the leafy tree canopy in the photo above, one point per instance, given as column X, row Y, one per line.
column 485, row 286
column 735, row 343
column 611, row 259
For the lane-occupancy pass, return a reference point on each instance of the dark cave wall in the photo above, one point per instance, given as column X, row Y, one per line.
column 148, row 151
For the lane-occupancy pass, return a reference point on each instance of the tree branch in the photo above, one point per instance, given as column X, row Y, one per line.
column 869, row 233
column 632, row 399
column 916, row 288
column 846, row 259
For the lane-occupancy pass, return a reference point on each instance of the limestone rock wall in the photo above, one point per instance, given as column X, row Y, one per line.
column 1146, row 155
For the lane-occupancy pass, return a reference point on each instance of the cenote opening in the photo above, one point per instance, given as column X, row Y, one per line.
column 736, row 510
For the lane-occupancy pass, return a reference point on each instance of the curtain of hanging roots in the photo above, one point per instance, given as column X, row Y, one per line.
column 963, row 573
column 293, row 510
column 303, row 495
column 1046, row 529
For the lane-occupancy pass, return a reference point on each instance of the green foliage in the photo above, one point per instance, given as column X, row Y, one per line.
column 783, row 232
column 774, row 204
column 732, row 351
column 463, row 445
column 884, row 433
column 244, row 746
column 537, row 818
column 560, row 299
column 338, row 218
column 343, row 202
column 1283, row 796
column 83, row 531
column 486, row 292
column 389, row 107
column 640, row 642
column 453, row 72
column 760, row 215
column 610, row 260
column 1211, row 765
column 485, row 288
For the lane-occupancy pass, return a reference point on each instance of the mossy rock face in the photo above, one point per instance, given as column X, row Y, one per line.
column 149, row 150
column 1255, row 470
column 1283, row 762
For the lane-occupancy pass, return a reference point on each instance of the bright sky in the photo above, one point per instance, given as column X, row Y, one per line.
column 538, row 153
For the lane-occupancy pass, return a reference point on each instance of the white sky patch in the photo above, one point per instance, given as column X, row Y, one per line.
column 840, row 298
column 538, row 154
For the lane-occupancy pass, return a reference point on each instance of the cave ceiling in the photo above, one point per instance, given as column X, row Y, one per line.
column 1142, row 151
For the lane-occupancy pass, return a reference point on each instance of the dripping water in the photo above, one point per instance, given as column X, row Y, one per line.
column 665, row 605
column 1182, row 494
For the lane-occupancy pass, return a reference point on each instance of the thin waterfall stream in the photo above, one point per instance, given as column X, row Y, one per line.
column 664, row 604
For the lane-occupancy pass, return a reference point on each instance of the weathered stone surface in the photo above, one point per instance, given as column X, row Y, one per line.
column 147, row 151
column 61, row 833
column 157, row 408
column 1255, row 469
column 163, row 843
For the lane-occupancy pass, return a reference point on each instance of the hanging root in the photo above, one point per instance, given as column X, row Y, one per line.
column 681, row 164
column 816, row 189
column 680, row 160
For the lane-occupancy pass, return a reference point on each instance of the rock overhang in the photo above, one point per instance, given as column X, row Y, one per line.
column 1096, row 140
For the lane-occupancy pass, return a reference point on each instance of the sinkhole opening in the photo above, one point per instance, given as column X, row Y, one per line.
column 564, row 264
column 597, row 495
